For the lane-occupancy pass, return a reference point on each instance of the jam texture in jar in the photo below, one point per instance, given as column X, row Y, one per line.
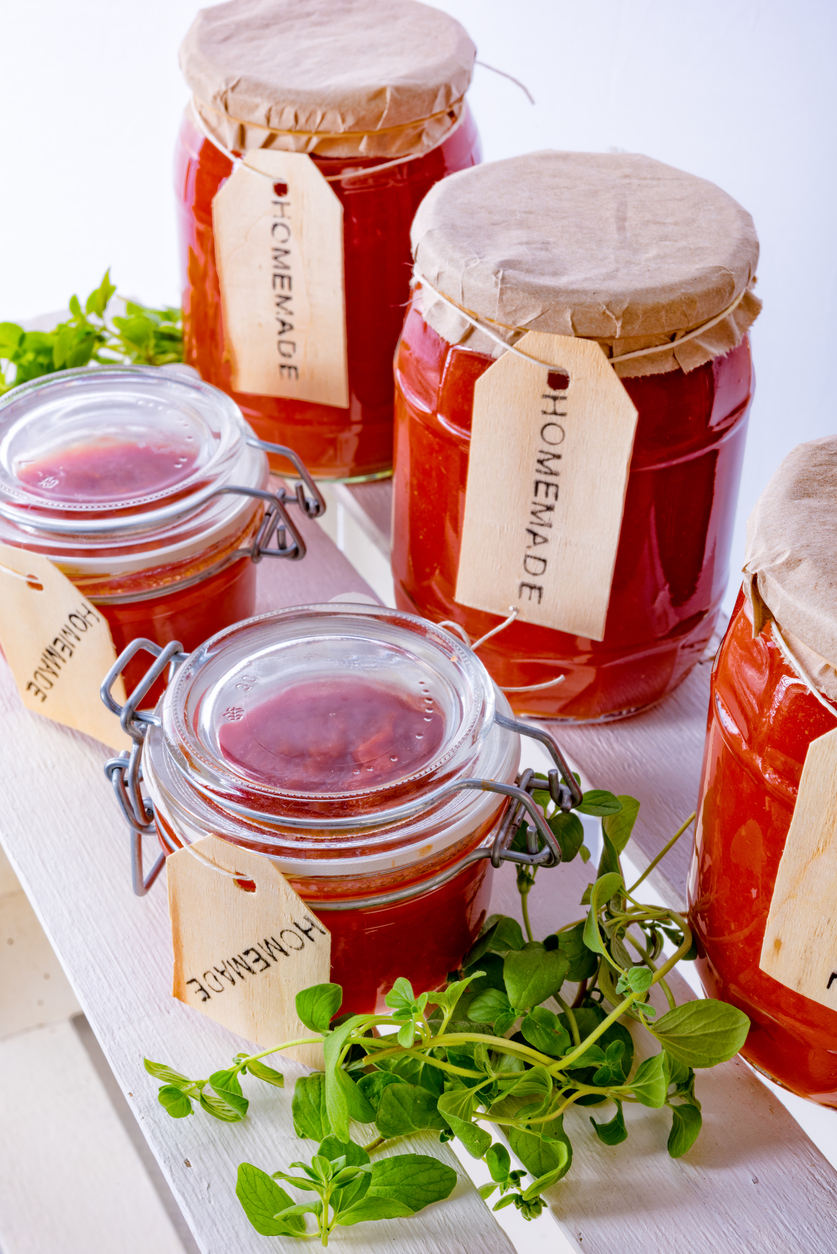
column 772, row 694
column 331, row 739
column 146, row 488
column 382, row 132
column 671, row 564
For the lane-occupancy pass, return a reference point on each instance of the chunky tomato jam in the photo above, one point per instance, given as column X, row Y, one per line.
column 340, row 734
column 671, row 565
column 118, row 468
column 761, row 721
column 353, row 443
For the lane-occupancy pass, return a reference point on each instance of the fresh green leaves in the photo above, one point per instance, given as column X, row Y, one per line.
column 533, row 974
column 407, row 1009
column 318, row 1005
column 145, row 336
column 262, row 1200
column 485, row 1049
column 350, row 1188
column 702, row 1033
column 686, row 1123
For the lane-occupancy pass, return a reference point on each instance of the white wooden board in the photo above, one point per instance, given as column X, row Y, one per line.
column 116, row 949
column 72, row 1182
column 753, row 1184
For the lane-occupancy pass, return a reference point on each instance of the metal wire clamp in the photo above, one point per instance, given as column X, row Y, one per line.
column 542, row 848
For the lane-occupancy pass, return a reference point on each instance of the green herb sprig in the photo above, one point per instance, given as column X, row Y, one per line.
column 143, row 336
column 504, row 1046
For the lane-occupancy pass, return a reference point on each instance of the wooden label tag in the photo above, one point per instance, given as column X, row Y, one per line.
column 241, row 957
column 58, row 646
column 800, row 941
column 547, row 476
column 279, row 251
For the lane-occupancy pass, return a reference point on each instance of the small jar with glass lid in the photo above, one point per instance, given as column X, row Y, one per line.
column 147, row 488
column 364, row 751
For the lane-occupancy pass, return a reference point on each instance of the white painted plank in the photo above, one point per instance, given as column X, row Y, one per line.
column 117, row 951
column 71, row 1180
column 33, row 987
column 753, row 1183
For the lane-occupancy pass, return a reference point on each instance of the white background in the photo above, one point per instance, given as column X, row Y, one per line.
column 743, row 92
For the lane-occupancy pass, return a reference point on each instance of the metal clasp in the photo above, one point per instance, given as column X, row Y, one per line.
column 125, row 770
column 277, row 521
column 307, row 495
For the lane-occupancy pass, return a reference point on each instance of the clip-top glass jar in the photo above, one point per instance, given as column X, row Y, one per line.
column 773, row 692
column 654, row 265
column 149, row 491
column 374, row 92
column 368, row 754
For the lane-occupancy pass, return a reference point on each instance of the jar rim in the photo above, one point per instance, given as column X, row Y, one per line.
column 105, row 466
column 184, row 762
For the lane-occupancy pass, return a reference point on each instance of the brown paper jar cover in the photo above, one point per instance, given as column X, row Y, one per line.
column 335, row 77
column 790, row 570
column 615, row 247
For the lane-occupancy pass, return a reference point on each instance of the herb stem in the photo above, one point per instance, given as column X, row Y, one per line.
column 275, row 1049
column 567, row 1061
column 662, row 852
column 400, row 1052
column 373, row 1145
column 571, row 1019
column 524, row 906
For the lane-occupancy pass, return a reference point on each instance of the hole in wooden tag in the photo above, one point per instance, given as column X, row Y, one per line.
column 557, row 381
column 246, row 886
column 281, row 189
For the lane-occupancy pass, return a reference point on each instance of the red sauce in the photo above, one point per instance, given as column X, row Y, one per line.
column 190, row 615
column 761, row 722
column 671, row 566
column 110, row 469
column 341, row 734
column 423, row 938
column 377, row 213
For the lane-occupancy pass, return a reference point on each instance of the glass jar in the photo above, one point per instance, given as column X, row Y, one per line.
column 368, row 754
column 149, row 491
column 761, row 722
column 671, row 565
column 419, row 85
column 772, row 695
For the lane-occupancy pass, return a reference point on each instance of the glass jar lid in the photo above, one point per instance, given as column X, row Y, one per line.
column 118, row 448
column 115, row 469
column 328, row 713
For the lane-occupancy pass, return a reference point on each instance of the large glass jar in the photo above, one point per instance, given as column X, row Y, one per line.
column 334, row 740
column 671, row 565
column 148, row 490
column 383, row 132
column 763, row 717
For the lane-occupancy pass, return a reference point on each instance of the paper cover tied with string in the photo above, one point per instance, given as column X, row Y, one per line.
column 790, row 571
column 338, row 78
column 597, row 498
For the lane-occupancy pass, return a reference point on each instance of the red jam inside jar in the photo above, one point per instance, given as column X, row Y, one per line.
column 762, row 719
column 121, row 477
column 378, row 209
column 672, row 561
column 330, row 739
